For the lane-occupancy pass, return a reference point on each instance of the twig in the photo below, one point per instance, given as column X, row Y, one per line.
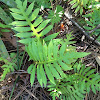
column 24, row 88
column 94, row 29
column 83, row 31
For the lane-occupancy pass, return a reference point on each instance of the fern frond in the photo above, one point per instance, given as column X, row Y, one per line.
column 7, row 68
column 93, row 21
column 56, row 15
column 79, row 5
column 64, row 89
column 28, row 23
column 92, row 80
column 75, row 86
column 50, row 60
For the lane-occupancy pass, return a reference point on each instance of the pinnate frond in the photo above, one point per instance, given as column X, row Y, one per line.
column 50, row 61
column 28, row 23
column 75, row 86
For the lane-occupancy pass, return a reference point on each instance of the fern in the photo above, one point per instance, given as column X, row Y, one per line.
column 25, row 25
column 56, row 15
column 93, row 21
column 7, row 68
column 3, row 26
column 48, row 59
column 75, row 86
column 81, row 4
column 10, row 65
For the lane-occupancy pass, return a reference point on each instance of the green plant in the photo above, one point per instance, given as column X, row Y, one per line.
column 56, row 15
column 51, row 58
column 37, row 29
column 93, row 20
column 43, row 51
column 81, row 4
column 76, row 85
column 10, row 64
column 7, row 67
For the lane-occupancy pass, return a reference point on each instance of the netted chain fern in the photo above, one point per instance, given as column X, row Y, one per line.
column 7, row 68
column 56, row 15
column 81, row 4
column 29, row 23
column 50, row 60
column 75, row 86
column 93, row 20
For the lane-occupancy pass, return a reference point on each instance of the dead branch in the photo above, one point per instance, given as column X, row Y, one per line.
column 83, row 31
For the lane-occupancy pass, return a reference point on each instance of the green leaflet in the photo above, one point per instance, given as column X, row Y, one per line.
column 15, row 10
column 45, row 51
column 32, row 77
column 75, row 5
column 43, row 76
column 46, row 30
column 40, row 50
column 55, row 51
column 24, row 4
column 48, row 72
column 17, row 16
column 93, row 88
column 77, row 9
column 62, row 49
column 50, row 50
column 19, row 23
column 42, row 25
column 52, row 36
column 58, row 68
column 22, row 29
column 64, row 66
column 35, row 51
column 38, row 21
column 90, row 72
column 25, row 41
column 30, row 69
column 24, row 35
column 30, row 8
column 39, row 75
column 54, row 72
column 34, row 14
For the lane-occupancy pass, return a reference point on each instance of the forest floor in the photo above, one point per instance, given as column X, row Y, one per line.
column 23, row 89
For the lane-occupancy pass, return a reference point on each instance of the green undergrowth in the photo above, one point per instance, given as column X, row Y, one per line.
column 52, row 58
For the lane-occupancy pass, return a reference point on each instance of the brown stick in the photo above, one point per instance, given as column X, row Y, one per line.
column 83, row 31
